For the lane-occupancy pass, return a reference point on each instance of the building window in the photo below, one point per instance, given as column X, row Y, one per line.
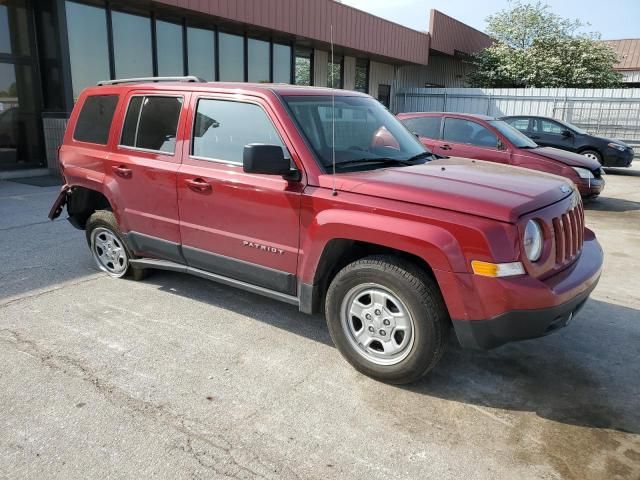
column 169, row 48
column 223, row 128
column 362, row 75
column 335, row 72
column 151, row 123
column 384, row 95
column 132, row 45
column 258, row 61
column 201, row 48
column 231, row 57
column 281, row 63
column 88, row 47
column 94, row 121
column 304, row 66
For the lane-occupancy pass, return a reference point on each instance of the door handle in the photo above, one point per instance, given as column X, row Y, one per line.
column 122, row 171
column 534, row 137
column 445, row 147
column 198, row 185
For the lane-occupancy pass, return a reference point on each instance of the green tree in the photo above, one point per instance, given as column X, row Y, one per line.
column 536, row 48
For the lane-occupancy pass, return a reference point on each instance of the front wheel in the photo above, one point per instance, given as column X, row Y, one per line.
column 387, row 318
column 593, row 155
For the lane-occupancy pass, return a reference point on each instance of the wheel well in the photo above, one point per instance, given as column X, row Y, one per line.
column 81, row 204
column 338, row 253
column 593, row 149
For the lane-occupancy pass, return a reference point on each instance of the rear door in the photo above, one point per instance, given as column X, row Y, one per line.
column 143, row 168
column 239, row 225
column 427, row 129
column 465, row 138
column 551, row 134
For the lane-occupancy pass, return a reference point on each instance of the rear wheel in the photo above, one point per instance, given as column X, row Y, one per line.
column 387, row 318
column 108, row 248
column 593, row 155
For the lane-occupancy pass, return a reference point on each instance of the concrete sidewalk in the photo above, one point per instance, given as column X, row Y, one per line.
column 176, row 377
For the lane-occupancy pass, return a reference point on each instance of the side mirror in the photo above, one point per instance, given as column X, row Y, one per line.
column 567, row 133
column 267, row 160
column 501, row 145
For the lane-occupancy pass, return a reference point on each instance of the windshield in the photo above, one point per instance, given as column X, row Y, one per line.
column 365, row 132
column 515, row 136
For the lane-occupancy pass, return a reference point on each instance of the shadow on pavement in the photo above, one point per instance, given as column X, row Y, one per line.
column 585, row 375
column 625, row 172
column 609, row 204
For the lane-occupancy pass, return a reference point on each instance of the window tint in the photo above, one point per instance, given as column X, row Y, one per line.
column 201, row 48
column 464, row 131
column 281, row 63
column 545, row 126
column 94, row 121
column 258, row 60
column 151, row 123
column 169, row 48
column 132, row 45
column 231, row 57
column 222, row 129
column 428, row 127
column 521, row 124
column 88, row 50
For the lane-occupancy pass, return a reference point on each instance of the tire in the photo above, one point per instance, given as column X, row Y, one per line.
column 415, row 338
column 108, row 248
column 593, row 155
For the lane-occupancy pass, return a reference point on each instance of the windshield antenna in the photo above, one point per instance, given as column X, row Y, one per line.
column 334, row 192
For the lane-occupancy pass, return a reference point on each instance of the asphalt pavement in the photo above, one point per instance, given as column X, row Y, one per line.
column 176, row 377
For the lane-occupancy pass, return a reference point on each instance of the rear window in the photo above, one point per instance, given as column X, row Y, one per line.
column 428, row 127
column 94, row 121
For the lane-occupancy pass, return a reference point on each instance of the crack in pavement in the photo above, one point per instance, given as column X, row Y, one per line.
column 217, row 455
column 39, row 293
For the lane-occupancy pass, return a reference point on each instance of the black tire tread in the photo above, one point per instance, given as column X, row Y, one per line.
column 427, row 292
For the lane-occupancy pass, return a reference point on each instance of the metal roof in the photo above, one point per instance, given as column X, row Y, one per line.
column 628, row 51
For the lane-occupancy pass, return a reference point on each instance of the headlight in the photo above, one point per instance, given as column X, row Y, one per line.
column 583, row 172
column 532, row 240
column 617, row 146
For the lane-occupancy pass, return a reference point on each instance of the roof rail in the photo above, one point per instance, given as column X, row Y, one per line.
column 189, row 78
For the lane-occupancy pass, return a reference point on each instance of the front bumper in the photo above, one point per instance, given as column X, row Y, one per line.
column 590, row 188
column 615, row 158
column 489, row 312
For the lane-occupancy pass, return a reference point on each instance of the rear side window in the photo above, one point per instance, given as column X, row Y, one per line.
column 94, row 121
column 223, row 128
column 151, row 123
column 464, row 131
column 428, row 127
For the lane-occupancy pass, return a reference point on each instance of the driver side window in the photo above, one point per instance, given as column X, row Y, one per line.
column 546, row 126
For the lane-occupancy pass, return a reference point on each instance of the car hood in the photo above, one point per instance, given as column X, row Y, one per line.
column 479, row 188
column 568, row 158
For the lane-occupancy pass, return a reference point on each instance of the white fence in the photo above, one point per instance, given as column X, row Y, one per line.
column 607, row 112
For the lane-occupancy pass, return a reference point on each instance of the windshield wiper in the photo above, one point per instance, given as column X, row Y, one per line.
column 374, row 161
column 421, row 155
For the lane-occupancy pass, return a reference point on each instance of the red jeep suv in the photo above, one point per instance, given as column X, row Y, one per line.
column 486, row 138
column 322, row 199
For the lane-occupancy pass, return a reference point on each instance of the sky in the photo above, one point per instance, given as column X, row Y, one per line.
column 614, row 19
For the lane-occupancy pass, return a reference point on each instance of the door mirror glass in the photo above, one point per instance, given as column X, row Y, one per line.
column 265, row 159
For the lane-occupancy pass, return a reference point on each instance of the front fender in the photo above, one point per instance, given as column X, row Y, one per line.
column 435, row 245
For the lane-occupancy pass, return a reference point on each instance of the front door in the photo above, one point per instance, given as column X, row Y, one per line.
column 469, row 139
column 239, row 225
column 551, row 134
column 143, row 167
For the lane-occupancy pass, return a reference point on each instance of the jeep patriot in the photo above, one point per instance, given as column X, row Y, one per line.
column 322, row 199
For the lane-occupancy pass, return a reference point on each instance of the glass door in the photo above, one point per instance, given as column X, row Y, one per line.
column 20, row 129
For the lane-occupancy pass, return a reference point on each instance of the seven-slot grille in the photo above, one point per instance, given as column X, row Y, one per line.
column 569, row 234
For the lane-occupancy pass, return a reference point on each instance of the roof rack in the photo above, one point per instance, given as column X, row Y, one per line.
column 189, row 78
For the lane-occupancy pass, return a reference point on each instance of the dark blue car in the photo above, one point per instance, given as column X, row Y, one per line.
column 550, row 132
